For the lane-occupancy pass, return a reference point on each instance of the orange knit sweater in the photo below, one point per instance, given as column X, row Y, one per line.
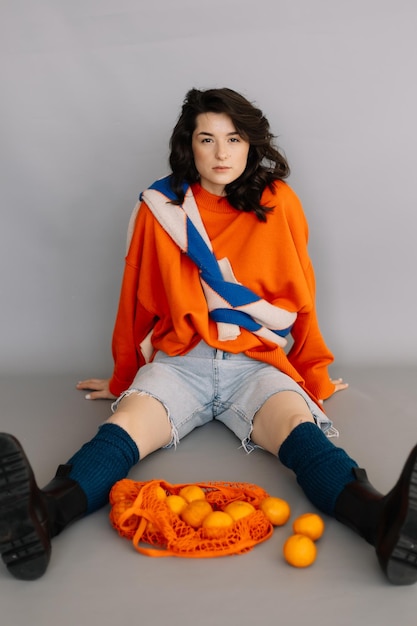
column 161, row 289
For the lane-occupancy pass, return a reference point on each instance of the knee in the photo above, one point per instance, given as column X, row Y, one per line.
column 297, row 419
column 270, row 431
column 291, row 422
column 146, row 420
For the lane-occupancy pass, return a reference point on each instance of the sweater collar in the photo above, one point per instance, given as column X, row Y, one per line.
column 209, row 201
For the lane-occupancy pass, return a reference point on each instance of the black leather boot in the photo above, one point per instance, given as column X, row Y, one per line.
column 64, row 499
column 29, row 516
column 387, row 522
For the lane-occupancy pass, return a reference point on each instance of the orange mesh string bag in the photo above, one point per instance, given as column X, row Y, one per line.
column 138, row 513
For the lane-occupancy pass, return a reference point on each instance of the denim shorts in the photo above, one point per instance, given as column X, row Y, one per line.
column 208, row 384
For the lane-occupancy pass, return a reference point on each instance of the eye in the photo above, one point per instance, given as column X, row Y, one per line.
column 206, row 140
column 234, row 139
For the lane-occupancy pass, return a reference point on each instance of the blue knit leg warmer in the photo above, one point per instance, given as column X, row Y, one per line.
column 101, row 462
column 322, row 469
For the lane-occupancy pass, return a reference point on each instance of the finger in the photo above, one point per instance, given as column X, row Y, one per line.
column 99, row 395
column 91, row 383
column 341, row 386
column 95, row 395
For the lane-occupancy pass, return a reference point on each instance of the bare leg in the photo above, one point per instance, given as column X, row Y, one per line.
column 285, row 427
column 145, row 419
column 275, row 420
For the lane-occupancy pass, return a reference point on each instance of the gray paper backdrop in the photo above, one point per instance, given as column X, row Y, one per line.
column 90, row 90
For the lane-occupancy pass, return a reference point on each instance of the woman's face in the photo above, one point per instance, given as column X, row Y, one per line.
column 220, row 153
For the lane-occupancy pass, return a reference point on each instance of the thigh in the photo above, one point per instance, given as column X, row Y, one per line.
column 181, row 386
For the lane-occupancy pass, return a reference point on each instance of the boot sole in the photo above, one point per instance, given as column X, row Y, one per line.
column 397, row 552
column 24, row 544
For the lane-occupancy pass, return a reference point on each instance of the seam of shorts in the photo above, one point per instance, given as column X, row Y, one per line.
column 190, row 416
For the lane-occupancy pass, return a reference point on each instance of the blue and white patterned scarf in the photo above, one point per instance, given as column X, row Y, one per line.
column 231, row 305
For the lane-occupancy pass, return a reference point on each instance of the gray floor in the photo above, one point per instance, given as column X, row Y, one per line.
column 96, row 577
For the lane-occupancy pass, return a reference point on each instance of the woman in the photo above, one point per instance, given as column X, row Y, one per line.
column 218, row 275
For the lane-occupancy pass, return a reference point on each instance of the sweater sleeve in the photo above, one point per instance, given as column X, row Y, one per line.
column 309, row 354
column 133, row 321
column 126, row 341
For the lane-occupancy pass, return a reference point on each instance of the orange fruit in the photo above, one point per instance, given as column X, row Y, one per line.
column 195, row 512
column 160, row 493
column 176, row 503
column 276, row 510
column 239, row 509
column 215, row 522
column 217, row 519
column 310, row 524
column 192, row 492
column 299, row 551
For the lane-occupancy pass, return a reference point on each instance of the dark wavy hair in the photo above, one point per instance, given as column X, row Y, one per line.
column 265, row 163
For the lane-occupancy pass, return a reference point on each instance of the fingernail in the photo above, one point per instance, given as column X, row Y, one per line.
column 88, row 396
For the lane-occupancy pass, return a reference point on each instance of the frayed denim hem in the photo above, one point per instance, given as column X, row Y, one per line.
column 174, row 432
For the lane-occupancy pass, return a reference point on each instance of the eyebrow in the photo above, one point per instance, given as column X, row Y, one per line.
column 203, row 132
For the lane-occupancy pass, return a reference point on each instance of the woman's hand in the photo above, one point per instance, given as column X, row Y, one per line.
column 339, row 386
column 98, row 388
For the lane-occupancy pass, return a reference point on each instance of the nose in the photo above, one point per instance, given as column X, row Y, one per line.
column 221, row 151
